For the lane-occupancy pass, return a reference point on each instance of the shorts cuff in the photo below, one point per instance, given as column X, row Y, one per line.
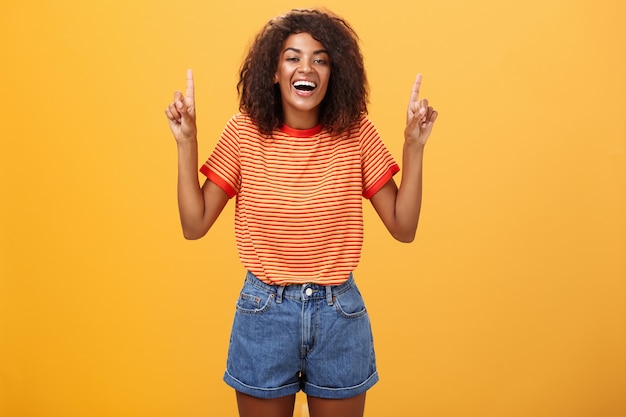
column 267, row 393
column 340, row 393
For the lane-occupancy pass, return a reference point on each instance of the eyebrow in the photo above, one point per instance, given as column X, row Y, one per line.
column 298, row 51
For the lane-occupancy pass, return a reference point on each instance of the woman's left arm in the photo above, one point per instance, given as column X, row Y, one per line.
column 399, row 208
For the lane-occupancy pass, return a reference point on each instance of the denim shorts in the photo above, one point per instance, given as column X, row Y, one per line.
column 301, row 337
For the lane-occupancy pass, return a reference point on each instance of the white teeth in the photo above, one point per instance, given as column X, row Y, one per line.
column 303, row 83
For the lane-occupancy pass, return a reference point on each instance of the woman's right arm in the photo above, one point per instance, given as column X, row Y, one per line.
column 199, row 207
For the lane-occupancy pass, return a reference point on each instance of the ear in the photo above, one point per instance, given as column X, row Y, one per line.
column 275, row 78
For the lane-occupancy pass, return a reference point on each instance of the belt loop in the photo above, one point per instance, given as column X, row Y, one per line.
column 279, row 293
column 329, row 295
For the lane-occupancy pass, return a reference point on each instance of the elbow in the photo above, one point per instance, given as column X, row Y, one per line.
column 192, row 234
column 406, row 235
column 405, row 238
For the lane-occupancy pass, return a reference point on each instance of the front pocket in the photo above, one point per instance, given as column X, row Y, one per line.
column 350, row 304
column 254, row 303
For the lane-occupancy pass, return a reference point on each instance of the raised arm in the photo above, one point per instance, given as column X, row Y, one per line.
column 399, row 209
column 198, row 207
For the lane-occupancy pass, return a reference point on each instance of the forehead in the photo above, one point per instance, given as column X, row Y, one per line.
column 303, row 42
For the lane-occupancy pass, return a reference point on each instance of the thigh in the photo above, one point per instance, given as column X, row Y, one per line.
column 342, row 364
column 250, row 406
column 264, row 351
column 346, row 407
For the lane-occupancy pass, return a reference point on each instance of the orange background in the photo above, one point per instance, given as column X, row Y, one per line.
column 511, row 302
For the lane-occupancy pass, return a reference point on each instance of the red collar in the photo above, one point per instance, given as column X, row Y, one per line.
column 301, row 133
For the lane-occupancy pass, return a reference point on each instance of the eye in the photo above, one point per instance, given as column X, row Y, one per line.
column 293, row 59
column 320, row 61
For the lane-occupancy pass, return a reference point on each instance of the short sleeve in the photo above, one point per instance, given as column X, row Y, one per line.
column 223, row 166
column 377, row 164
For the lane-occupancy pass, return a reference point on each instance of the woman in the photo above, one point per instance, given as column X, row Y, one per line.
column 299, row 158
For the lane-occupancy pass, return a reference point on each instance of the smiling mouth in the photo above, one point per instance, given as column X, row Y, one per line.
column 304, row 85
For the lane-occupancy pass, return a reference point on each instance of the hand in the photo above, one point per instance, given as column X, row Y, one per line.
column 420, row 116
column 181, row 113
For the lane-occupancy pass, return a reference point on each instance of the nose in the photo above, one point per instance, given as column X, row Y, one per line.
column 305, row 67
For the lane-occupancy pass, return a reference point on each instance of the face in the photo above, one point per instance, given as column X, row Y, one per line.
column 302, row 74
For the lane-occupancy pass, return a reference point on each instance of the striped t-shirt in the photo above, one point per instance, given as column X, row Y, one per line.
column 298, row 214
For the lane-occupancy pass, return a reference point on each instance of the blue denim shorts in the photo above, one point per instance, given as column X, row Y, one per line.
column 301, row 337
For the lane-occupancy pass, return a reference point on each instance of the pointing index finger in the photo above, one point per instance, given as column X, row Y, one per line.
column 190, row 89
column 416, row 88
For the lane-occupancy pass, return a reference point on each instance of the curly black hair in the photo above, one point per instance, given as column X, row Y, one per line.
column 347, row 95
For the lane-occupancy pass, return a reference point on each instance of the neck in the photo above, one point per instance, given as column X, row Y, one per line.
column 302, row 119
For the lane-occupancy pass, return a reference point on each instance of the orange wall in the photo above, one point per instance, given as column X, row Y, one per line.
column 511, row 303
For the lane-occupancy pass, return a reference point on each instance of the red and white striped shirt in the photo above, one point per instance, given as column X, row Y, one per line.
column 298, row 214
